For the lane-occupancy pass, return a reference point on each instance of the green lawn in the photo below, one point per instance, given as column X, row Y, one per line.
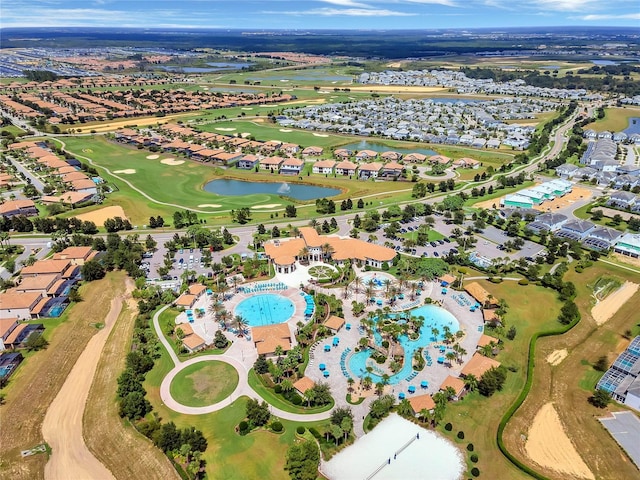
column 204, row 383
column 229, row 456
column 433, row 235
column 478, row 416
column 615, row 119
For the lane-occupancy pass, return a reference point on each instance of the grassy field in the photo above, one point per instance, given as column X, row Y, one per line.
column 38, row 380
column 17, row 131
column 478, row 416
column 124, row 451
column 204, row 383
column 181, row 186
column 615, row 119
column 569, row 384
column 229, row 456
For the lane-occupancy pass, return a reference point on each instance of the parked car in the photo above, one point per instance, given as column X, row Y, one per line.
column 436, row 254
column 447, row 239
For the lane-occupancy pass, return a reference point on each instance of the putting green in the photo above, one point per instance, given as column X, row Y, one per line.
column 204, row 383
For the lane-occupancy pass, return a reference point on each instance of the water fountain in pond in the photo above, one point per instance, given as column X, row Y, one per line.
column 284, row 188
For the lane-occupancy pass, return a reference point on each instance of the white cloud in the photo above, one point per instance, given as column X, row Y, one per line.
column 625, row 16
column 568, row 5
column 348, row 12
column 346, row 3
column 446, row 3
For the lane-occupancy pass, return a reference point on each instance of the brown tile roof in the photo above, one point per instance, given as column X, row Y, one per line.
column 284, row 260
column 371, row 167
column 393, row 166
column 186, row 328
column 14, row 334
column 346, row 165
column 193, row 342
column 325, row 164
column 304, row 384
column 185, row 300
column 490, row 315
column 334, row 322
column 13, row 205
column 13, row 299
column 73, row 253
column 196, row 289
column 37, row 282
column 6, row 324
column 37, row 310
column 422, row 402
column 454, row 382
column 273, row 161
column 293, row 162
column 487, row 340
column 46, row 266
column 478, row 292
column 448, row 278
column 415, row 157
column 268, row 337
column 478, row 365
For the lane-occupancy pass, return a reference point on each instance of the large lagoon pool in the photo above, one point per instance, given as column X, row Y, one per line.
column 265, row 309
column 434, row 317
column 241, row 187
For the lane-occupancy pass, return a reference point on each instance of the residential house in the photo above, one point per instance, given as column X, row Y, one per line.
column 292, row 166
column 548, row 222
column 415, row 158
column 441, row 159
column 342, row 153
column 272, row 164
column 622, row 379
column 346, row 168
column 7, row 325
column 12, row 208
column 601, row 238
column 391, row 156
column 14, row 304
column 313, row 151
column 623, row 200
column 364, row 155
column 575, row 229
column 466, row 162
column 77, row 255
column 628, row 244
column 392, row 169
column 290, row 148
column 566, row 170
column 325, row 167
column 369, row 170
column 248, row 162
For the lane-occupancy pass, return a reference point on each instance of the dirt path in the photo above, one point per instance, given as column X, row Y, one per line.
column 62, row 427
column 607, row 308
column 549, row 446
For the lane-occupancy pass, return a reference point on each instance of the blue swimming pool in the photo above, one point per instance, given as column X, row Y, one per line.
column 434, row 317
column 265, row 309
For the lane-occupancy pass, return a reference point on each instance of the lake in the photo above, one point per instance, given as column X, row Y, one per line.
column 379, row 147
column 634, row 126
column 240, row 187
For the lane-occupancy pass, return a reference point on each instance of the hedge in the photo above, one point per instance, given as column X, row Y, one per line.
column 523, row 394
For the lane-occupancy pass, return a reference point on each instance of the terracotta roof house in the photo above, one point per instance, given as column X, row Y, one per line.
column 248, row 162
column 304, row 384
column 271, row 163
column 334, row 323
column 391, row 155
column 12, row 208
column 38, row 283
column 490, row 316
column 185, row 300
column 193, row 342
column 73, row 198
column 268, row 337
column 466, row 162
column 478, row 365
column 324, row 166
column 197, row 290
column 457, row 384
column 364, row 155
column 45, row 267
column 422, row 402
column 18, row 305
column 314, row 151
column 481, row 295
column 487, row 340
column 415, row 157
column 225, row 158
column 342, row 153
column 7, row 325
column 292, row 166
column 346, row 168
column 439, row 159
column 77, row 255
column 369, row 170
column 392, row 169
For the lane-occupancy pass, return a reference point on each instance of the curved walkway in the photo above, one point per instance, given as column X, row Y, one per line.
column 243, row 388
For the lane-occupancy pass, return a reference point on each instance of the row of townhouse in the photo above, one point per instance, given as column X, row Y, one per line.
column 617, row 137
column 603, row 172
column 43, row 287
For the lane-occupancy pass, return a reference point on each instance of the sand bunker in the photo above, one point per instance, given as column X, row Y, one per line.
column 245, row 134
column 99, row 216
column 225, row 129
column 608, row 307
column 549, row 446
column 209, row 205
column 152, row 157
column 286, row 130
column 171, row 161
column 126, row 171
column 246, row 108
column 557, row 356
column 270, row 205
column 320, row 135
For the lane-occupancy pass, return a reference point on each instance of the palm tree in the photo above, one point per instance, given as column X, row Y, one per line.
column 379, row 388
column 471, row 382
column 240, row 324
column 367, row 382
column 350, row 382
column 450, row 356
column 368, row 291
column 327, row 250
column 303, row 255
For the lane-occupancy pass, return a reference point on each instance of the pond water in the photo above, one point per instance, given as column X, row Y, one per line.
column 634, row 126
column 379, row 147
column 296, row 191
column 213, row 67
column 604, row 62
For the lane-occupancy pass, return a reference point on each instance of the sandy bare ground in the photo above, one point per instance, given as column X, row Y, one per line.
column 226, row 129
column 171, row 161
column 320, row 135
column 99, row 216
column 555, row 357
column 285, row 130
column 209, row 205
column 62, row 426
column 269, row 205
column 152, row 156
column 126, row 171
column 626, row 259
column 246, row 108
column 607, row 308
column 549, row 446
column 127, row 122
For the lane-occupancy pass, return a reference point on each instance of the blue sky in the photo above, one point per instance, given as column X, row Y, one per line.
column 318, row 14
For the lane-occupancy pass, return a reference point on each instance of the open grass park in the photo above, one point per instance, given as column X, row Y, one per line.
column 204, row 383
column 615, row 119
